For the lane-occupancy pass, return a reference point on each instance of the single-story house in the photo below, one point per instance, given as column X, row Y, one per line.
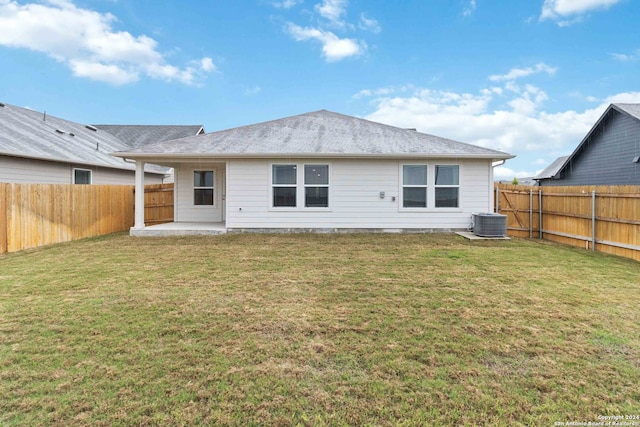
column 608, row 155
column 322, row 171
column 36, row 147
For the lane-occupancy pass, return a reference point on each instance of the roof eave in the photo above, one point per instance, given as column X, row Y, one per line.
column 200, row 156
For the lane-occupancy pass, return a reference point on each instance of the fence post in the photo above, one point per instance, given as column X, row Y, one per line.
column 530, row 213
column 593, row 220
column 540, row 213
column 497, row 199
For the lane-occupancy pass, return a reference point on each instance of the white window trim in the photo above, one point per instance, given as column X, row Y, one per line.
column 426, row 186
column 194, row 188
column 431, row 192
column 73, row 175
column 458, row 186
column 300, row 187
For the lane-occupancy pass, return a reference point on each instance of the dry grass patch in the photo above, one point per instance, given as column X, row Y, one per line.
column 316, row 330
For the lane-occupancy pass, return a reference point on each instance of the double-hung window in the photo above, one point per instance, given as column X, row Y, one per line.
column 284, row 179
column 297, row 186
column 316, row 186
column 414, row 186
column 447, row 186
column 203, row 188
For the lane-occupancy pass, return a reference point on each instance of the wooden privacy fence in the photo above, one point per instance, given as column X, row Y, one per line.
column 158, row 203
column 33, row 215
column 601, row 218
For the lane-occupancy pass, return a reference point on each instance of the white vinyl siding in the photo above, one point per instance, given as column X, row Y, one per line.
column 20, row 170
column 355, row 202
column 185, row 209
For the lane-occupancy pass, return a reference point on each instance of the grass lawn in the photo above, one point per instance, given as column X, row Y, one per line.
column 306, row 329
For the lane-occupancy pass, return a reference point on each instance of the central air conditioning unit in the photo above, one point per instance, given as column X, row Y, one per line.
column 490, row 225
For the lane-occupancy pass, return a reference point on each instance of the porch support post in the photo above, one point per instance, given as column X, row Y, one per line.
column 139, row 210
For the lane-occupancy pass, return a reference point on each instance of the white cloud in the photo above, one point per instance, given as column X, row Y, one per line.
column 333, row 10
column 102, row 72
column 369, row 24
column 286, row 4
column 502, row 173
column 333, row 47
column 88, row 44
column 328, row 19
column 514, row 121
column 626, row 57
column 470, row 8
column 252, row 91
column 207, row 65
column 567, row 12
column 517, row 73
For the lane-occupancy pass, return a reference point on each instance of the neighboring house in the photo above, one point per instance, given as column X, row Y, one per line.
column 138, row 135
column 552, row 170
column 39, row 148
column 608, row 155
column 323, row 171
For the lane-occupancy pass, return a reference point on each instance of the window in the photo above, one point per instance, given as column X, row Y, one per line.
column 316, row 186
column 414, row 186
column 203, row 188
column 81, row 176
column 284, row 182
column 447, row 185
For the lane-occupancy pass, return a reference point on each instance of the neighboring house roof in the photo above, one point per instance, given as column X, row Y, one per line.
column 632, row 110
column 32, row 134
column 551, row 170
column 138, row 135
column 318, row 134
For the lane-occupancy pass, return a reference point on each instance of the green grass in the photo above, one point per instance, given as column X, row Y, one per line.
column 317, row 330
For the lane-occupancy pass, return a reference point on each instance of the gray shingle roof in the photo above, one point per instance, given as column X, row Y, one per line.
column 320, row 133
column 631, row 109
column 551, row 170
column 32, row 134
column 138, row 135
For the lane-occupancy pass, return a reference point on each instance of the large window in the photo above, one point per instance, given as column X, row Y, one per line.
column 203, row 188
column 414, row 186
column 447, row 185
column 316, row 186
column 284, row 182
column 81, row 176
column 313, row 191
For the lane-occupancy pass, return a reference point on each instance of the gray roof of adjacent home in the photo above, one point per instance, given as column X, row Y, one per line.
column 631, row 109
column 318, row 134
column 551, row 170
column 138, row 135
column 32, row 134
column 557, row 166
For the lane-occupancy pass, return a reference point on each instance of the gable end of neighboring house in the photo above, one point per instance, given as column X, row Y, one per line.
column 608, row 155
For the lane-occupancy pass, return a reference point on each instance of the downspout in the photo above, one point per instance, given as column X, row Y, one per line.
column 493, row 204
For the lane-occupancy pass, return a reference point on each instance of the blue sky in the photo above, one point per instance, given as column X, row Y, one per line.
column 529, row 77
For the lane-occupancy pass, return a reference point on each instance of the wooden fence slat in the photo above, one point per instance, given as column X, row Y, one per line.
column 567, row 215
column 3, row 217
